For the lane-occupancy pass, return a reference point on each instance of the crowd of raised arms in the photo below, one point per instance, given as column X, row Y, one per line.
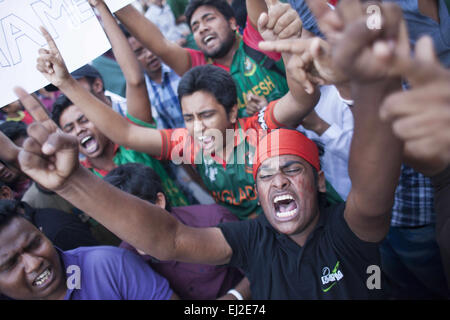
column 250, row 150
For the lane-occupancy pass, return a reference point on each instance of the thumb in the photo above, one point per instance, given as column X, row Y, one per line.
column 58, row 141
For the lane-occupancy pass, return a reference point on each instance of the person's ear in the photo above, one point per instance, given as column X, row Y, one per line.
column 232, row 115
column 233, row 24
column 321, row 183
column 97, row 86
column 6, row 193
column 161, row 200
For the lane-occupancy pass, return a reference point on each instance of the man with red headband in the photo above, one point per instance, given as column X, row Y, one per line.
column 299, row 249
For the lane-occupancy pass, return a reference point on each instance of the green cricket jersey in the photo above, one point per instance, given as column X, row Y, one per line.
column 249, row 75
column 124, row 156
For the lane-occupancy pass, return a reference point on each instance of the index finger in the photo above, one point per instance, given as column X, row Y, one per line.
column 49, row 39
column 35, row 108
column 295, row 46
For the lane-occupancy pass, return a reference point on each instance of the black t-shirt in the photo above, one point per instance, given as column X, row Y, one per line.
column 333, row 264
column 66, row 231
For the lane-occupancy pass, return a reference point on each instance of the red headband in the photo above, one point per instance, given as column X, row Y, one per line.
column 284, row 141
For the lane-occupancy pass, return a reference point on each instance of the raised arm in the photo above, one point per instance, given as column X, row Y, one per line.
column 50, row 157
column 138, row 103
column 283, row 19
column 114, row 126
column 367, row 56
column 149, row 35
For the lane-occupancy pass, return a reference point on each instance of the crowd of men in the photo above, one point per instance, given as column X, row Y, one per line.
column 235, row 150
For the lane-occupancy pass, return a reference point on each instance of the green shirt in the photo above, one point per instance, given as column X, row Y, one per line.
column 251, row 76
column 247, row 74
column 231, row 182
column 124, row 156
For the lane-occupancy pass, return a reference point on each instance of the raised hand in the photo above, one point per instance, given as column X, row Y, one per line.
column 280, row 22
column 361, row 53
column 421, row 116
column 50, row 62
column 48, row 155
column 316, row 56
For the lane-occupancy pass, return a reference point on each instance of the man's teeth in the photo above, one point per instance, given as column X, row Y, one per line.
column 207, row 38
column 85, row 139
column 279, row 212
column 42, row 278
column 282, row 198
column 286, row 214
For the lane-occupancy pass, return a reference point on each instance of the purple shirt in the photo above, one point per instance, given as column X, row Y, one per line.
column 191, row 280
column 110, row 273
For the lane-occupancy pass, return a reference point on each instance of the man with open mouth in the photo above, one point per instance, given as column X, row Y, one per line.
column 101, row 154
column 299, row 248
column 218, row 143
column 215, row 32
column 31, row 268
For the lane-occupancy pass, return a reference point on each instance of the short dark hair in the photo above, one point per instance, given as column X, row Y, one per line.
column 211, row 79
column 61, row 103
column 221, row 5
column 8, row 211
column 14, row 129
column 139, row 180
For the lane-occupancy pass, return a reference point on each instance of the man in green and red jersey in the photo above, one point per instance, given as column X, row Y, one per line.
column 209, row 104
column 218, row 143
column 214, row 27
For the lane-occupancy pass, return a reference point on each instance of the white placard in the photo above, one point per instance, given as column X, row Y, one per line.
column 115, row 5
column 72, row 23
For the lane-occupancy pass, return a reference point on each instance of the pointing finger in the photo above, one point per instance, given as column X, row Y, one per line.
column 35, row 109
column 49, row 39
column 295, row 46
column 32, row 105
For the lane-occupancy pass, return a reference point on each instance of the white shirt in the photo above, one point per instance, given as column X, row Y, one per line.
column 336, row 139
column 119, row 103
column 164, row 19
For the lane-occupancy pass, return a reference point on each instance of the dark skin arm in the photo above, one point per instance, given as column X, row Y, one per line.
column 50, row 157
column 149, row 35
column 371, row 198
column 114, row 126
column 138, row 104
column 300, row 100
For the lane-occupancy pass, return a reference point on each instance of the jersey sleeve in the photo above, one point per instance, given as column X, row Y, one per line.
column 252, row 37
column 264, row 119
column 139, row 122
column 197, row 57
column 177, row 146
